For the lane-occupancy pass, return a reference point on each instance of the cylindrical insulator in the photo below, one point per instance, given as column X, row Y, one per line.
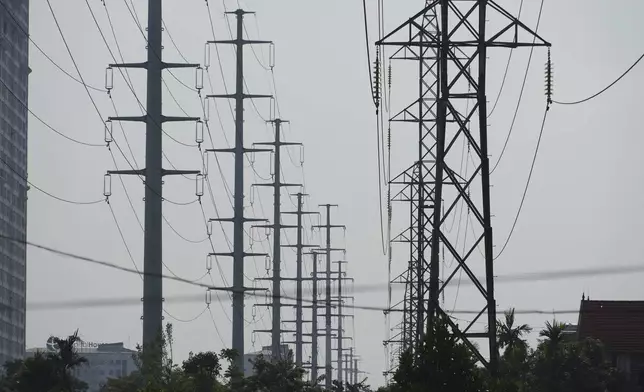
column 267, row 263
column 199, row 132
column 301, row 154
column 206, row 109
column 109, row 79
column 272, row 108
column 108, row 132
column 206, row 57
column 107, row 185
column 209, row 228
column 199, row 185
column 198, row 78
column 209, row 262
column 208, row 297
column 271, row 55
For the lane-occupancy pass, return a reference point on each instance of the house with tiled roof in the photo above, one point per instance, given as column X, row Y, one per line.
column 619, row 325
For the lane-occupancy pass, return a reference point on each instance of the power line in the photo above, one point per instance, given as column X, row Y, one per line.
column 124, row 241
column 527, row 185
column 525, row 78
column 605, row 88
column 524, row 277
column 31, row 184
column 185, row 320
column 507, row 67
column 24, row 105
column 165, row 27
column 17, row 23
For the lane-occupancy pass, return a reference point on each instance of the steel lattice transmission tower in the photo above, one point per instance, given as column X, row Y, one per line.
column 449, row 39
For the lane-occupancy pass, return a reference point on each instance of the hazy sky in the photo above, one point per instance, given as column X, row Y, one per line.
column 581, row 211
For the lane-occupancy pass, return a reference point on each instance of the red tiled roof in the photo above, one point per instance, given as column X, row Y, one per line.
column 619, row 325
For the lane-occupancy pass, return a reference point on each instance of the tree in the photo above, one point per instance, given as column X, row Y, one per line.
column 510, row 336
column 579, row 366
column 156, row 370
column 203, row 369
column 513, row 364
column 440, row 363
column 46, row 372
column 66, row 360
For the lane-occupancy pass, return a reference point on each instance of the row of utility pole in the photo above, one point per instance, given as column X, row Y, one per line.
column 332, row 302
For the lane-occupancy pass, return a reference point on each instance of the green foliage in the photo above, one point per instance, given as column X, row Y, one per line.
column 46, row 372
column 439, row 364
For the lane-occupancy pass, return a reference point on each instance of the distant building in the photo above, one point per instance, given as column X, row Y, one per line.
column 14, row 75
column 104, row 361
column 570, row 332
column 266, row 352
column 619, row 325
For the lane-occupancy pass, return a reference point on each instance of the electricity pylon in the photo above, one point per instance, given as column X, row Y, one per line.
column 314, row 317
column 238, row 254
column 277, row 227
column 299, row 247
column 448, row 39
column 153, row 172
column 327, row 316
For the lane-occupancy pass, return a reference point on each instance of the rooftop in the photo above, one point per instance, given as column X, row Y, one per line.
column 619, row 325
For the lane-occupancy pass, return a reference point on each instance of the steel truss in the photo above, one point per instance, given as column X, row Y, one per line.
column 449, row 40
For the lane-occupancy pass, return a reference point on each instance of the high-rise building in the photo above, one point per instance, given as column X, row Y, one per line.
column 14, row 74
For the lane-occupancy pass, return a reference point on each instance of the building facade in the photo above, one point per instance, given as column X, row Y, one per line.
column 104, row 361
column 14, row 74
column 619, row 325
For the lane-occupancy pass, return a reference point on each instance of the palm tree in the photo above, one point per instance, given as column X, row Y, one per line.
column 67, row 359
column 552, row 335
column 509, row 335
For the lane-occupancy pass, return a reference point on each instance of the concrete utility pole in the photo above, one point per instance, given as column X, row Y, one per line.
column 314, row 317
column 340, row 330
column 277, row 226
column 350, row 366
column 153, row 172
column 239, row 150
column 299, row 246
column 328, row 350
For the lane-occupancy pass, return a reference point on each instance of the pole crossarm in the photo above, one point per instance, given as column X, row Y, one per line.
column 129, row 118
column 139, row 172
column 165, row 119
column 242, row 96
column 166, row 172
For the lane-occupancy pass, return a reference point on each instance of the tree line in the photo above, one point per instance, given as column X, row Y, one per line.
column 441, row 363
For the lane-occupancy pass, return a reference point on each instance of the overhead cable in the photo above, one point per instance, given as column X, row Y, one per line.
column 605, row 88
column 527, row 185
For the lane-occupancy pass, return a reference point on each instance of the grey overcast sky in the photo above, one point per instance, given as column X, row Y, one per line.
column 582, row 209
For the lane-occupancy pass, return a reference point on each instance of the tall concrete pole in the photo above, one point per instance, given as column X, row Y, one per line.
column 277, row 249
column 153, row 238
column 298, row 285
column 314, row 320
column 153, row 173
column 340, row 331
column 327, row 319
column 239, row 150
column 238, row 220
column 328, row 332
column 277, row 185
